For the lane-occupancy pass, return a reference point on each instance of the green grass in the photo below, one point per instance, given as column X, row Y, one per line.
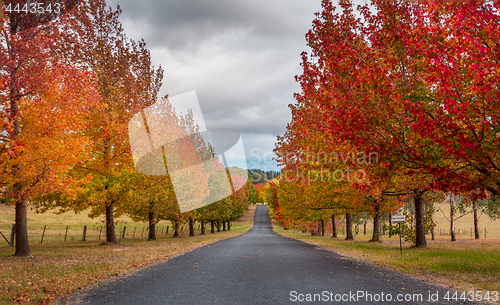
column 460, row 265
column 58, row 269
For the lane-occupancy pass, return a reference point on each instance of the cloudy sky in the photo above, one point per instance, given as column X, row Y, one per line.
column 239, row 56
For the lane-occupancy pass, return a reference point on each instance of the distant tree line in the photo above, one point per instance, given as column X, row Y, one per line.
column 259, row 176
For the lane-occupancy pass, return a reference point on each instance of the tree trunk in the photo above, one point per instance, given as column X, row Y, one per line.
column 334, row 227
column 348, row 225
column 202, row 227
column 212, row 226
column 152, row 226
column 376, row 226
column 322, row 227
column 390, row 219
column 21, row 231
column 218, row 226
column 432, row 233
column 21, row 224
column 110, row 225
column 176, row 228
column 476, row 225
column 364, row 227
column 228, row 225
column 223, row 226
column 452, row 221
column 191, row 227
column 421, row 242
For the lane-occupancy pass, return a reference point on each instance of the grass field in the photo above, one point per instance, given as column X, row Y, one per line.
column 464, row 227
column 55, row 226
column 58, row 268
column 467, row 264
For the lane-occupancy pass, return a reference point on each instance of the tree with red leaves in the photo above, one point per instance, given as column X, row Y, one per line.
column 414, row 82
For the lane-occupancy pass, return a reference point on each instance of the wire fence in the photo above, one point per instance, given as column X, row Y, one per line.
column 488, row 231
column 92, row 232
column 468, row 232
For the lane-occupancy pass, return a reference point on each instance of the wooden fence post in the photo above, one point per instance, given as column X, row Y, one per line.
column 12, row 235
column 66, row 234
column 43, row 234
column 84, row 233
column 123, row 233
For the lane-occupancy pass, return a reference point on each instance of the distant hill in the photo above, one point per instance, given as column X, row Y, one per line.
column 259, row 176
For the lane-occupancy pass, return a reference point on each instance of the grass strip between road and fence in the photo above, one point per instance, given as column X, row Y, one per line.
column 459, row 265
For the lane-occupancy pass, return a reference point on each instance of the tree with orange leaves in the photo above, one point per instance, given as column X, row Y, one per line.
column 46, row 104
column 92, row 36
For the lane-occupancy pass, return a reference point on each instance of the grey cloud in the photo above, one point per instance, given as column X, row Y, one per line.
column 240, row 57
column 237, row 88
column 179, row 24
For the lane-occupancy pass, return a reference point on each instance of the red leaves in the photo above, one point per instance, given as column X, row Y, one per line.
column 410, row 81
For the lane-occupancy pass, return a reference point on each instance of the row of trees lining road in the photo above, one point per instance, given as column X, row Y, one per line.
column 400, row 104
column 68, row 89
column 287, row 208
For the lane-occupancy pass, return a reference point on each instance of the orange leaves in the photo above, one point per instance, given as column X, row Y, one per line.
column 54, row 120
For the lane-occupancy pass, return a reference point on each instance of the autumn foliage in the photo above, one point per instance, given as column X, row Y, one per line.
column 414, row 82
column 69, row 85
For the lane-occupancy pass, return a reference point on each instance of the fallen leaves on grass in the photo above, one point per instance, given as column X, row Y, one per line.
column 57, row 271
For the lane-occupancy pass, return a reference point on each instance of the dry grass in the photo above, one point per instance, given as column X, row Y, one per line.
column 465, row 225
column 58, row 269
column 55, row 230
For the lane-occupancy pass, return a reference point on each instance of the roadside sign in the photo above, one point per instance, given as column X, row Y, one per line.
column 399, row 219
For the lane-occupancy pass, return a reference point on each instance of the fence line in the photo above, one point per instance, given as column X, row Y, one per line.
column 484, row 232
column 66, row 233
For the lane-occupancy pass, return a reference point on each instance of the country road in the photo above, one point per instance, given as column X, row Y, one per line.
column 262, row 267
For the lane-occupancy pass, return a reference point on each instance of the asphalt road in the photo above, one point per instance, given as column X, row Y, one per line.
column 262, row 267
